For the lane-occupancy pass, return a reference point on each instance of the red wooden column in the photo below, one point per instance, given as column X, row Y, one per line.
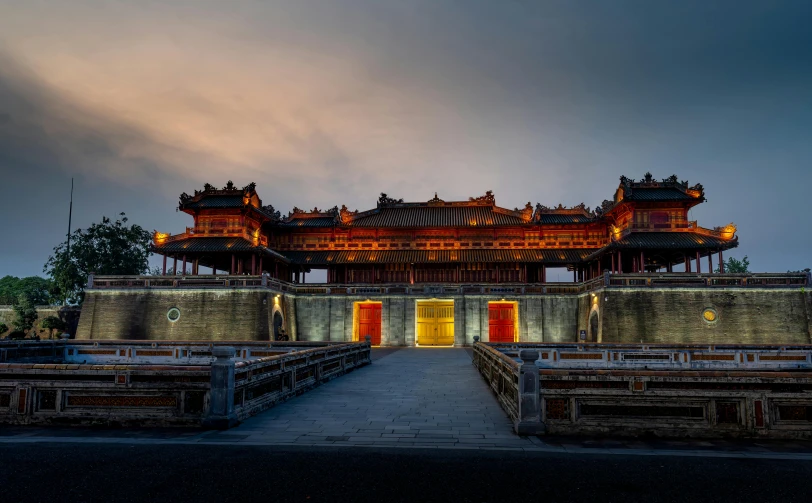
column 687, row 262
column 698, row 264
column 184, row 263
column 260, row 265
column 253, row 265
column 195, row 263
column 276, row 270
column 233, row 264
column 669, row 267
column 642, row 261
column 175, row 264
column 544, row 274
column 164, row 265
column 613, row 263
column 721, row 263
column 710, row 263
column 619, row 263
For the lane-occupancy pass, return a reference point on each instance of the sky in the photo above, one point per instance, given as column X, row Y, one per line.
column 324, row 103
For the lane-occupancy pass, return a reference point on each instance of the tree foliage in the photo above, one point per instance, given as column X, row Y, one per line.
column 735, row 266
column 106, row 248
column 25, row 313
column 52, row 323
column 39, row 290
column 3, row 328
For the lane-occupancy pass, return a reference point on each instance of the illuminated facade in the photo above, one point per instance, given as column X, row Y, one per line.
column 643, row 228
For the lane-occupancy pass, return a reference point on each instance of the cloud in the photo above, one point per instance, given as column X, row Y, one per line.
column 326, row 103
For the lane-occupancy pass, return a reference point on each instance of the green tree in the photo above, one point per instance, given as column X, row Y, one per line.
column 52, row 323
column 735, row 266
column 25, row 313
column 3, row 328
column 106, row 248
column 38, row 289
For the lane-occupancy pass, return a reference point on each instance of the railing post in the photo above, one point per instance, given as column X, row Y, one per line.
column 90, row 280
column 221, row 414
column 529, row 420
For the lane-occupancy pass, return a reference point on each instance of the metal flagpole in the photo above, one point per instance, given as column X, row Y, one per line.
column 70, row 215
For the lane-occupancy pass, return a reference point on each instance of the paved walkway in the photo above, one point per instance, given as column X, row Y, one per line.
column 414, row 396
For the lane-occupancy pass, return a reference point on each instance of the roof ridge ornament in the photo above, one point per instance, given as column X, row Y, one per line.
column 578, row 209
column 385, row 200
column 488, row 198
column 345, row 215
column 526, row 213
column 435, row 200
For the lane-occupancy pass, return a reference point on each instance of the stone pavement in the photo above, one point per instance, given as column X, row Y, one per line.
column 418, row 398
column 414, row 396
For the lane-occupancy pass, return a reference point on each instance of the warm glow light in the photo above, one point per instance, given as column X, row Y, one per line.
column 159, row 238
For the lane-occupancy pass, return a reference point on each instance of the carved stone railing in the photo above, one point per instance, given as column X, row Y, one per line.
column 763, row 391
column 160, row 383
column 753, row 280
column 665, row 356
column 502, row 375
column 750, row 280
column 261, row 383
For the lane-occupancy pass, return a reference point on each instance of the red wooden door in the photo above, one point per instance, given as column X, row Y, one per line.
column 369, row 322
column 500, row 322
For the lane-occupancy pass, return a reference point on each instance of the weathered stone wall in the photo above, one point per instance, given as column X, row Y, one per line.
column 204, row 315
column 625, row 315
column 745, row 316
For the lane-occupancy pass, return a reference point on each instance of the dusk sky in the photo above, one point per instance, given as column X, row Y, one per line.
column 331, row 102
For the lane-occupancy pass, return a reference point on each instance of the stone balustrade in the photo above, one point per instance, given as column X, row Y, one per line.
column 666, row 356
column 744, row 400
column 796, row 280
column 146, row 383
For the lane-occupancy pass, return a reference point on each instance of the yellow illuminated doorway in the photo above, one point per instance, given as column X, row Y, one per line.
column 435, row 323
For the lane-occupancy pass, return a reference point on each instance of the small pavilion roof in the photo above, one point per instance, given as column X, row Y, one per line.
column 201, row 244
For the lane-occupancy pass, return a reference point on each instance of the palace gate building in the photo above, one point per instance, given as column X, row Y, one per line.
column 442, row 272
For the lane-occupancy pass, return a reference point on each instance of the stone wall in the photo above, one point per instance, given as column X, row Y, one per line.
column 625, row 315
column 751, row 316
column 231, row 314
